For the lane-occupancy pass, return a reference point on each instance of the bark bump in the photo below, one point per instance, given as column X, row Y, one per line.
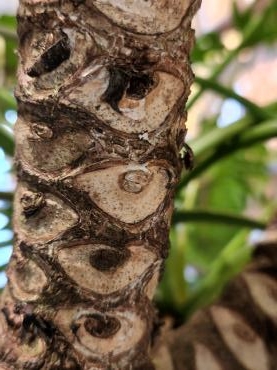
column 264, row 292
column 145, row 16
column 26, row 278
column 205, row 359
column 244, row 343
column 129, row 193
column 51, row 217
column 117, row 272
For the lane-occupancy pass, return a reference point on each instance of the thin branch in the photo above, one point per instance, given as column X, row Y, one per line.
column 204, row 143
column 249, row 31
column 217, row 71
column 8, row 33
column 267, row 130
column 228, row 263
column 255, row 110
column 186, row 216
column 6, row 195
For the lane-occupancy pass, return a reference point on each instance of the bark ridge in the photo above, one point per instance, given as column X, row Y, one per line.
column 101, row 92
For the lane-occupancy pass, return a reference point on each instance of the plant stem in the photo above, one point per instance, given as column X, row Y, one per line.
column 229, row 262
column 230, row 143
column 6, row 195
column 217, row 136
column 7, row 100
column 6, row 141
column 250, row 29
column 8, row 33
column 256, row 111
column 216, row 217
column 217, row 71
column 264, row 131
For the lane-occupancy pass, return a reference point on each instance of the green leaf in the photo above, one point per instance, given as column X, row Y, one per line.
column 2, row 268
column 205, row 44
column 8, row 21
column 229, row 262
column 7, row 100
column 6, row 195
column 257, row 26
column 172, row 289
column 6, row 141
column 241, row 17
column 210, row 216
column 225, row 188
column 11, row 58
column 8, row 31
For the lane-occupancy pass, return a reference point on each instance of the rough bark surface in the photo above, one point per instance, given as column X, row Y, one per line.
column 101, row 92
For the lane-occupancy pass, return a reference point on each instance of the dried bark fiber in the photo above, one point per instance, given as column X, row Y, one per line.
column 101, row 92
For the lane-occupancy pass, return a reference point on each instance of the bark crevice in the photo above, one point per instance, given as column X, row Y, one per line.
column 101, row 94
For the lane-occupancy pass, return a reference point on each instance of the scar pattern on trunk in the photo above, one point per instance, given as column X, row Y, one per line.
column 101, row 95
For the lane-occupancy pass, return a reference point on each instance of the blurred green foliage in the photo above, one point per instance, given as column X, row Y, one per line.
column 210, row 231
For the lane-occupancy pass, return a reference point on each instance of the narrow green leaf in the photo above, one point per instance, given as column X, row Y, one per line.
column 6, row 141
column 258, row 112
column 8, row 33
column 6, row 195
column 228, row 142
column 7, row 100
column 209, row 216
column 229, row 263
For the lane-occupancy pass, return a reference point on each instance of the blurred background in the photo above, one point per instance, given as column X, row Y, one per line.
column 224, row 203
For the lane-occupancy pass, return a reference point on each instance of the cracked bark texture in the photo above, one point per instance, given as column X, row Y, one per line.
column 101, row 92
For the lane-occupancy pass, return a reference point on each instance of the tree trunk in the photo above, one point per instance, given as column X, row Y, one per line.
column 101, row 92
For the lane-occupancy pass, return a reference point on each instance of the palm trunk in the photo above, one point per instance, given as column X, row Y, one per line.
column 101, row 92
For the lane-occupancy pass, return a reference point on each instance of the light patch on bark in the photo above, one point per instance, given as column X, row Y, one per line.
column 26, row 278
column 76, row 262
column 107, row 191
column 48, row 153
column 162, row 359
column 150, row 16
column 31, row 351
column 46, row 223
column 151, row 286
column 270, row 235
column 264, row 292
column 3, row 327
column 25, row 351
column 101, row 346
column 137, row 115
column 244, row 343
column 205, row 359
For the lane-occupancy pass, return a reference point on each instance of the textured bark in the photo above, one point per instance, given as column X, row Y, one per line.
column 239, row 332
column 101, row 92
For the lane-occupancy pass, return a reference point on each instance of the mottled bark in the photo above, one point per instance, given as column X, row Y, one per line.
column 239, row 332
column 101, row 92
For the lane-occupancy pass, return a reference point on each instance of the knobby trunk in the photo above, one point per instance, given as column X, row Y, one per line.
column 101, row 92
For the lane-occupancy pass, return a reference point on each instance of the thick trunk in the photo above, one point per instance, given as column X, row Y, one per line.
column 101, row 92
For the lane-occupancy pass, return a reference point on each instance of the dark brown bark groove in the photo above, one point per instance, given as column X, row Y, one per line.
column 101, row 92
